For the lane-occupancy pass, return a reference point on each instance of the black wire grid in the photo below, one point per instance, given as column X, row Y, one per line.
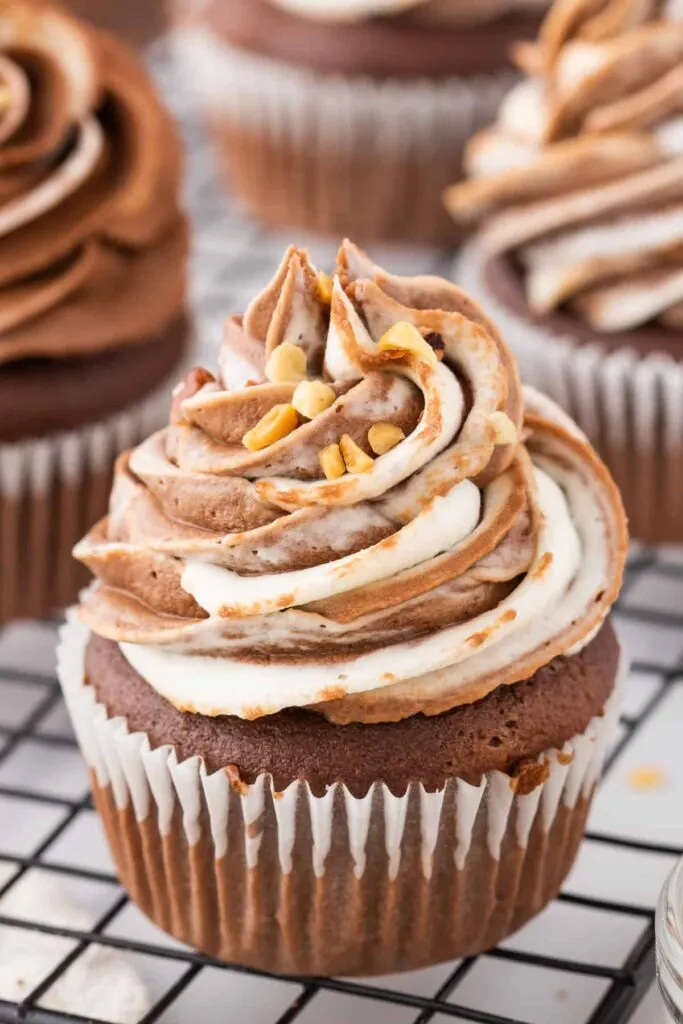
column 559, row 975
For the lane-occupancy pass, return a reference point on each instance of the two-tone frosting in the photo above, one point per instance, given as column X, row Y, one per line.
column 427, row 534
column 581, row 177
column 92, row 238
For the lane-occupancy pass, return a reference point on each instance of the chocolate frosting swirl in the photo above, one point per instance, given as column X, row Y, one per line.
column 92, row 238
column 581, row 178
column 482, row 544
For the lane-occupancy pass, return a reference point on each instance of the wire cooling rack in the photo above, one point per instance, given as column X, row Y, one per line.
column 587, row 958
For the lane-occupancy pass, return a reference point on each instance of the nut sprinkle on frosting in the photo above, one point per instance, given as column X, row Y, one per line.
column 413, row 533
column 581, row 177
column 92, row 238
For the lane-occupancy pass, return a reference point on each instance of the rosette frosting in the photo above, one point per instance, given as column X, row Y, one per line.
column 92, row 238
column 240, row 578
column 581, row 178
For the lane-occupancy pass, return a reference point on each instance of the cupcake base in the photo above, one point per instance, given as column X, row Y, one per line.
column 382, row 196
column 353, row 156
column 337, row 923
column 57, row 454
column 355, row 878
column 625, row 392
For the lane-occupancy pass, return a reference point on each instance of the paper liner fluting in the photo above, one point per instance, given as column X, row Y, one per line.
column 630, row 407
column 52, row 490
column 356, row 157
column 335, row 884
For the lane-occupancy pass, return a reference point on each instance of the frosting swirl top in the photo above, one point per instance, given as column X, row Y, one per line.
column 92, row 237
column 447, row 12
column 581, row 177
column 357, row 514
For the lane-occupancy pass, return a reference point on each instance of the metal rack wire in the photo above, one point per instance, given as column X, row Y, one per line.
column 42, row 820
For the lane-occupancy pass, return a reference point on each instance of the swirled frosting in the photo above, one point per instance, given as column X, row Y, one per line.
column 581, row 177
column 92, row 238
column 447, row 12
column 484, row 543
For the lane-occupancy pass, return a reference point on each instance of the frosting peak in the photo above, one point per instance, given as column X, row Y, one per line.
column 581, row 178
column 408, row 543
column 89, row 183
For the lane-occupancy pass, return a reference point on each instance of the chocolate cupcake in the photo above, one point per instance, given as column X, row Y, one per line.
column 580, row 188
column 93, row 249
column 137, row 21
column 348, row 644
column 352, row 117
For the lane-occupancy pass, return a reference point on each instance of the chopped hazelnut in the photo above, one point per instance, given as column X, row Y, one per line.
column 312, row 397
column 287, row 363
column 506, row 432
column 403, row 338
column 647, row 777
column 332, row 462
column 382, row 437
column 355, row 459
column 280, row 421
column 325, row 286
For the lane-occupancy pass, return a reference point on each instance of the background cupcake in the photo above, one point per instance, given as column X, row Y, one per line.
column 352, row 117
column 348, row 637
column 137, row 21
column 93, row 248
column 580, row 187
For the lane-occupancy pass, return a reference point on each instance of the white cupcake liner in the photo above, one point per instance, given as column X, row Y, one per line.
column 52, row 489
column 379, row 849
column 343, row 155
column 631, row 407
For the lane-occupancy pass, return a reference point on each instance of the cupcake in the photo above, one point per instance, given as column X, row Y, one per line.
column 93, row 249
column 579, row 185
column 348, row 643
column 352, row 116
column 137, row 21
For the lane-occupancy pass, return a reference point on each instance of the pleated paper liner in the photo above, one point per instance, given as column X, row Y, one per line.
column 52, row 490
column 355, row 157
column 631, row 408
column 302, row 884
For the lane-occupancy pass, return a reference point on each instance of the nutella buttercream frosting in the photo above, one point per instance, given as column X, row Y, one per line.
column 361, row 513
column 92, row 237
column 581, row 177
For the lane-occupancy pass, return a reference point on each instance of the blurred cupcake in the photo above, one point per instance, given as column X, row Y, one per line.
column 580, row 188
column 137, row 21
column 348, row 644
column 93, row 248
column 352, row 117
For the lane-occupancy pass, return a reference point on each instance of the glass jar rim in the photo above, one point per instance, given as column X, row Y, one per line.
column 669, row 942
